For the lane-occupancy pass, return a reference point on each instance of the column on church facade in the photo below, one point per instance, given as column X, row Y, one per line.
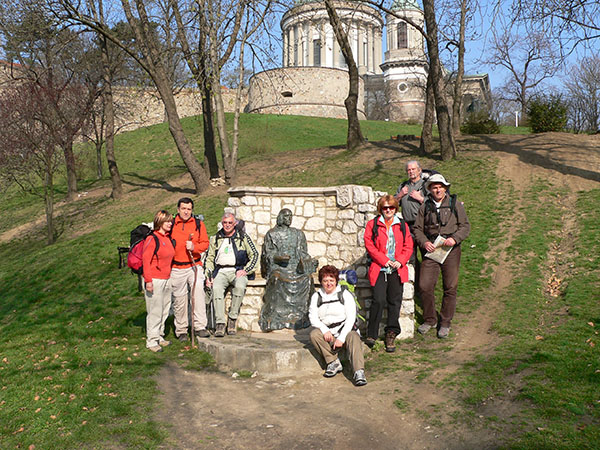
column 290, row 46
column 284, row 63
column 335, row 52
column 311, row 50
column 360, row 60
column 371, row 37
column 378, row 60
column 323, row 38
column 296, row 46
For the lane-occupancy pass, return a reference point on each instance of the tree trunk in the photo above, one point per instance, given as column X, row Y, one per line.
column 210, row 149
column 228, row 163
column 447, row 147
column 185, row 150
column 457, row 104
column 238, row 100
column 109, row 118
column 71, row 172
column 99, row 170
column 355, row 137
column 154, row 67
column 426, row 145
column 49, row 204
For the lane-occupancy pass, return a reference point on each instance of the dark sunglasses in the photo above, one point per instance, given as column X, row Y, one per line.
column 384, row 208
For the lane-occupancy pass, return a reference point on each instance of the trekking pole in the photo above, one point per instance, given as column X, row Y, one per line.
column 195, row 269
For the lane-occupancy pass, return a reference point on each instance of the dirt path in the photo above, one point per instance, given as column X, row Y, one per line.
column 299, row 413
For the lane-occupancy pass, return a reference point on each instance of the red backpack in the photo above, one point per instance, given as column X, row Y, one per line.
column 136, row 247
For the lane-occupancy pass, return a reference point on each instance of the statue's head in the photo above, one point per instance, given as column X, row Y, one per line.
column 284, row 217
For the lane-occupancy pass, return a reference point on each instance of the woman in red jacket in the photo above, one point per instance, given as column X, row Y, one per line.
column 389, row 245
column 156, row 259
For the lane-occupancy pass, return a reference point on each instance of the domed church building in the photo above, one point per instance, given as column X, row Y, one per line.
column 313, row 79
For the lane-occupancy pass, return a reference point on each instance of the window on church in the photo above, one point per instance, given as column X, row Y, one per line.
column 366, row 54
column 317, row 52
column 402, row 35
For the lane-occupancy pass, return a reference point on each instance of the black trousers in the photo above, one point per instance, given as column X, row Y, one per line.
column 387, row 291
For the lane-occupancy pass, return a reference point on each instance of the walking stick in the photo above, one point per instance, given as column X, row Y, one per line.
column 195, row 269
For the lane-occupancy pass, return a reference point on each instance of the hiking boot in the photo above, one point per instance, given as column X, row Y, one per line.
column 220, row 331
column 231, row 326
column 424, row 328
column 333, row 368
column 359, row 378
column 390, row 342
column 155, row 348
column 164, row 343
column 183, row 338
column 203, row 333
column 370, row 342
column 443, row 332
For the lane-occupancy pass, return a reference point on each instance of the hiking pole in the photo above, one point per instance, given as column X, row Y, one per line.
column 195, row 269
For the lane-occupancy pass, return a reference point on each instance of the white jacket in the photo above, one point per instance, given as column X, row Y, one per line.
column 332, row 312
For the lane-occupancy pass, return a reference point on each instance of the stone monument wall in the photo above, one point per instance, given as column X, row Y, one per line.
column 333, row 220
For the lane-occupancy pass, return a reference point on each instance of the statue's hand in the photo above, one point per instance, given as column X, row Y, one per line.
column 279, row 259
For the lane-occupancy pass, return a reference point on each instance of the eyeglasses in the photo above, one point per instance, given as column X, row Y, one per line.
column 225, row 222
column 388, row 207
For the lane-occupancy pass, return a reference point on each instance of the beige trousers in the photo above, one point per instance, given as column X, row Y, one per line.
column 352, row 345
column 158, row 304
column 182, row 281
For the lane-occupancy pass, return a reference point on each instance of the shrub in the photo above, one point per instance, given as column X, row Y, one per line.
column 547, row 113
column 479, row 123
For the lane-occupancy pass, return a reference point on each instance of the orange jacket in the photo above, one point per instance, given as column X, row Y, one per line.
column 158, row 266
column 181, row 232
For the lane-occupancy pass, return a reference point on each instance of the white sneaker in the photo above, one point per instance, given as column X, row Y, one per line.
column 333, row 368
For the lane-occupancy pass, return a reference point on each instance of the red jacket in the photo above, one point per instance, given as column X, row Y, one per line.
column 181, row 232
column 158, row 266
column 378, row 250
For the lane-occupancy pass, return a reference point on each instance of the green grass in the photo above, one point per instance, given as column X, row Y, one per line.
column 73, row 368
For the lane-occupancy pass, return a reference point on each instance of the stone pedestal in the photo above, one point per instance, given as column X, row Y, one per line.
column 333, row 220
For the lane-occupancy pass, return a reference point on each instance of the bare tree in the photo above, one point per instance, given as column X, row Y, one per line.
column 52, row 58
column 583, row 88
column 104, row 122
column 447, row 146
column 436, row 83
column 355, row 137
column 569, row 23
column 529, row 61
column 426, row 143
column 146, row 52
column 29, row 157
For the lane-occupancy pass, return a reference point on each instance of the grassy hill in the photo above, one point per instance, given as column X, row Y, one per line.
column 73, row 367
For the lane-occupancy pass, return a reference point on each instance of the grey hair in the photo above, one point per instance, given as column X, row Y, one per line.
column 228, row 214
column 414, row 161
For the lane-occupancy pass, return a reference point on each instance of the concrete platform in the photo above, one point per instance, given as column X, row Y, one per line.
column 283, row 352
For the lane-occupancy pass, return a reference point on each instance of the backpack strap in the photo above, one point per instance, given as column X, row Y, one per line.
column 340, row 298
column 375, row 232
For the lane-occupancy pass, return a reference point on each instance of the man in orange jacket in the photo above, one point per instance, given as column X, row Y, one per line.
column 191, row 240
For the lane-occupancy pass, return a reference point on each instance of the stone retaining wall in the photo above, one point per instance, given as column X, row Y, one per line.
column 333, row 220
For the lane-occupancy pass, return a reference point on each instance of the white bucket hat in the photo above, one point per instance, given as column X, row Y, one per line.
column 436, row 178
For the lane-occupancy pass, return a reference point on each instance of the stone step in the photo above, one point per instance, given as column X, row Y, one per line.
column 281, row 353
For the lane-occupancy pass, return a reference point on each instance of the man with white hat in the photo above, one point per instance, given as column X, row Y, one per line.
column 441, row 215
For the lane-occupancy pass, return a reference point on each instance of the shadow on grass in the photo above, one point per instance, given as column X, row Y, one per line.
column 152, row 183
column 525, row 147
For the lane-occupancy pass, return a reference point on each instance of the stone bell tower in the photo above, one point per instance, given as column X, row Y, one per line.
column 405, row 65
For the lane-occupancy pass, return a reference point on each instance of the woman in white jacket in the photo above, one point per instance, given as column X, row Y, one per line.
column 332, row 313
